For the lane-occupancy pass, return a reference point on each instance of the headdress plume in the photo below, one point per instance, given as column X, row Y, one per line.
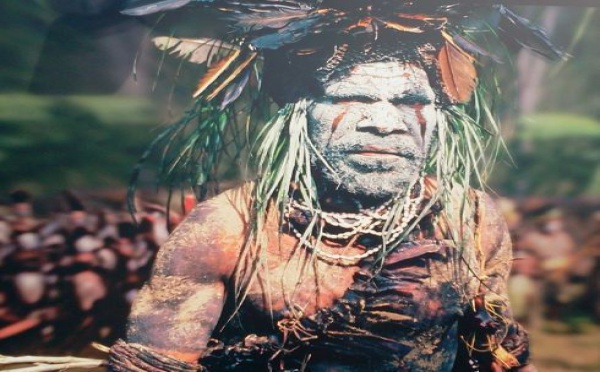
column 299, row 37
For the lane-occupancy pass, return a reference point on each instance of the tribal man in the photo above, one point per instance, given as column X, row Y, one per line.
column 360, row 246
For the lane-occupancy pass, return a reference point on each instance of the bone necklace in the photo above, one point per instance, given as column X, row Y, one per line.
column 369, row 221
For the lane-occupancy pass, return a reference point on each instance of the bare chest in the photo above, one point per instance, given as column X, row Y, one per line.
column 292, row 281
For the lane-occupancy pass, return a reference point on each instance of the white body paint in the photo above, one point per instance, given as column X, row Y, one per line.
column 374, row 126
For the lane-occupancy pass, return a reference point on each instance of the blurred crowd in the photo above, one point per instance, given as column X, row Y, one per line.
column 68, row 278
column 556, row 267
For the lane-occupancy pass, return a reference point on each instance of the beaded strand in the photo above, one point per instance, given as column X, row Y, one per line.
column 365, row 222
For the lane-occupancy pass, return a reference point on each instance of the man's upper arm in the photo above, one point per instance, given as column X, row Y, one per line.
column 496, row 246
column 177, row 310
column 496, row 250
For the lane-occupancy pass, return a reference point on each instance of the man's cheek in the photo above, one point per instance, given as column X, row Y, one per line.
column 430, row 127
column 320, row 127
column 338, row 118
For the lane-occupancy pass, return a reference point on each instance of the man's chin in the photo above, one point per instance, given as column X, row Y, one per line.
column 374, row 192
column 361, row 185
column 374, row 187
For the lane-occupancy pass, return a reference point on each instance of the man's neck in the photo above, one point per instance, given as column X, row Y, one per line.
column 337, row 200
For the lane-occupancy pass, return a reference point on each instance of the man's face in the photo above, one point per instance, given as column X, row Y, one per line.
column 374, row 126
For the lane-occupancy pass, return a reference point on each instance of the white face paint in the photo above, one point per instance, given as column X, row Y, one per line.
column 374, row 126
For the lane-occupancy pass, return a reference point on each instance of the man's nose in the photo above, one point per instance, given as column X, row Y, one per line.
column 381, row 118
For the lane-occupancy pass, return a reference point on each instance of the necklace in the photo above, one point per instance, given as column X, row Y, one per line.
column 374, row 222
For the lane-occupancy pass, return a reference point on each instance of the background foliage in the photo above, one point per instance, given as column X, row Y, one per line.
column 554, row 138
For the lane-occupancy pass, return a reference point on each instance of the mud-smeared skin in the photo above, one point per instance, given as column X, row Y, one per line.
column 377, row 120
column 177, row 310
column 414, row 300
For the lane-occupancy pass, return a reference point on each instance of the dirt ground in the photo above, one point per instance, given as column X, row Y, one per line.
column 555, row 349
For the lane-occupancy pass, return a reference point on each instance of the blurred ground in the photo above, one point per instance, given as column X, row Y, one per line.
column 556, row 348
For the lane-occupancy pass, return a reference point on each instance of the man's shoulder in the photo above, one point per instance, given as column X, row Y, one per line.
column 210, row 237
column 220, row 217
column 230, row 206
column 463, row 202
column 486, row 212
column 492, row 229
column 477, row 210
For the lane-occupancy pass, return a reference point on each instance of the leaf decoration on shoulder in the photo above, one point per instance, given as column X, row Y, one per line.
column 457, row 70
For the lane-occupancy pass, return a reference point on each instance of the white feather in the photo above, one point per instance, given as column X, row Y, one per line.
column 194, row 50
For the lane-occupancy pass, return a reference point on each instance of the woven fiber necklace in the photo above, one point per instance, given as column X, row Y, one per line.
column 350, row 226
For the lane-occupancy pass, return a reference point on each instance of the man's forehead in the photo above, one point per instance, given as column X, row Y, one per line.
column 392, row 77
column 388, row 69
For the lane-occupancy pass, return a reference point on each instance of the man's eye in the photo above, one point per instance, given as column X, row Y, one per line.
column 352, row 99
column 411, row 101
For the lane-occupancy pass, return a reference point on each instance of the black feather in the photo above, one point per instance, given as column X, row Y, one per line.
column 293, row 32
column 522, row 32
column 267, row 5
column 275, row 19
column 144, row 7
column 234, row 90
column 473, row 48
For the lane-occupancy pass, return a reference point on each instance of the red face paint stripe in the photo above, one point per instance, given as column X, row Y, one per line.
column 420, row 118
column 337, row 120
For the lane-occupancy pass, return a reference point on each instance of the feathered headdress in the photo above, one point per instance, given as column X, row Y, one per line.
column 305, row 28
column 277, row 46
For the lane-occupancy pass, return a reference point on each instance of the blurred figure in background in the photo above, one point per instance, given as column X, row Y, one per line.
column 21, row 219
column 553, row 247
column 588, row 271
column 525, row 286
column 69, row 279
column 89, row 49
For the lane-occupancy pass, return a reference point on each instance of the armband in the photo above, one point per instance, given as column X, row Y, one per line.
column 130, row 357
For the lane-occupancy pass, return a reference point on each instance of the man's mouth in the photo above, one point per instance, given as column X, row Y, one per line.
column 380, row 152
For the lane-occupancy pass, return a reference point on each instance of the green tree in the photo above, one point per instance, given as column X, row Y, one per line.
column 24, row 26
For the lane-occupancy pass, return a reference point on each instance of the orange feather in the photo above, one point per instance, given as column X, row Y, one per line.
column 232, row 76
column 215, row 71
column 399, row 27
